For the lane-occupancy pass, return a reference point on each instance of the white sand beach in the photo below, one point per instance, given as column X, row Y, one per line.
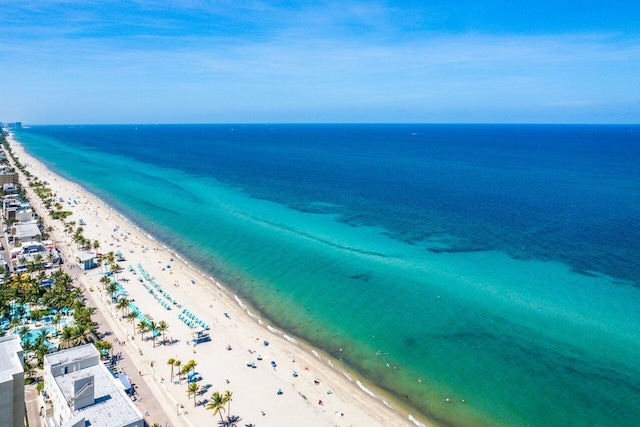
column 320, row 395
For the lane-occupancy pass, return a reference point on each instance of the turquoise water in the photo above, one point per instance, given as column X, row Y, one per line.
column 33, row 334
column 493, row 264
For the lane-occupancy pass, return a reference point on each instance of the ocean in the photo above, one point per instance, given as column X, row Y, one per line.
column 483, row 275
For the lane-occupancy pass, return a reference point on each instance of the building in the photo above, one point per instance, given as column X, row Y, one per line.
column 34, row 251
column 11, row 382
column 9, row 183
column 12, row 125
column 23, row 232
column 86, row 260
column 81, row 391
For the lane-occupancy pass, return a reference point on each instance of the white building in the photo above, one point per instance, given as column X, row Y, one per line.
column 11, row 382
column 25, row 232
column 82, row 391
column 25, row 215
column 29, row 251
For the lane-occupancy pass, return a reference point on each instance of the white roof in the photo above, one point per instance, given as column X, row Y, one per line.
column 112, row 406
column 29, row 229
column 10, row 363
column 85, row 256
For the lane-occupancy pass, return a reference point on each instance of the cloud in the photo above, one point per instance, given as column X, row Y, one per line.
column 333, row 56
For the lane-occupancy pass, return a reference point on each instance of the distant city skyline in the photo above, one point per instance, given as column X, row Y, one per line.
column 72, row 62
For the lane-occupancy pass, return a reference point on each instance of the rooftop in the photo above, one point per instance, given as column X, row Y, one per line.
column 10, row 362
column 72, row 354
column 29, row 229
column 112, row 406
column 85, row 256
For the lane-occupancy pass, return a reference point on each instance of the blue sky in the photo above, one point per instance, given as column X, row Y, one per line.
column 194, row 61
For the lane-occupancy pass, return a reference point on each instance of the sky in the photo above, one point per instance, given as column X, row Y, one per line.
column 192, row 61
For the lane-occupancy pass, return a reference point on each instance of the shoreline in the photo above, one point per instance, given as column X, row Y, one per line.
column 346, row 392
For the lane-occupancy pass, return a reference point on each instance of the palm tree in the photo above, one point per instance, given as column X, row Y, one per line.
column 216, row 404
column 41, row 345
column 171, row 361
column 104, row 281
column 227, row 399
column 110, row 257
column 81, row 332
column 123, row 305
column 192, row 388
column 56, row 320
column 37, row 260
column 153, row 328
column 23, row 332
column 162, row 328
column 114, row 267
column 177, row 365
column 184, row 371
column 142, row 327
column 131, row 318
column 112, row 288
column 42, row 336
column 77, row 239
column 191, row 364
column 29, row 370
column 66, row 336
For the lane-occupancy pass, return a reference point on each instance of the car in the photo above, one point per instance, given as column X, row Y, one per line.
column 48, row 265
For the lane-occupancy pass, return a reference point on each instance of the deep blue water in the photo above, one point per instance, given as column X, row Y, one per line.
column 497, row 263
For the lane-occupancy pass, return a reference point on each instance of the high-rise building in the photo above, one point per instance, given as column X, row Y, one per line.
column 11, row 382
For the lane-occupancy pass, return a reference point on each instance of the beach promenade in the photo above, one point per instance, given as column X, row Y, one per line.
column 274, row 380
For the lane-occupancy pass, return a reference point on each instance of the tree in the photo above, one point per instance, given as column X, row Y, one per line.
column 123, row 305
column 38, row 261
column 162, row 328
column 112, row 288
column 216, row 404
column 114, row 268
column 192, row 388
column 29, row 370
column 56, row 320
column 66, row 336
column 41, row 345
column 23, row 332
column 227, row 399
column 142, row 327
column 82, row 331
column 105, row 281
column 177, row 365
column 183, row 371
column 103, row 345
column 131, row 318
column 153, row 328
column 171, row 361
